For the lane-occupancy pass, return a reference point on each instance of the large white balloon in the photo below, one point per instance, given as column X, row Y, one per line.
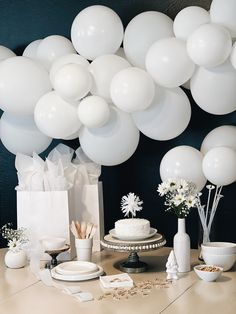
column 167, row 117
column 132, row 89
column 209, row 45
column 96, row 30
column 168, row 62
column 224, row 13
column 142, row 31
column 224, row 135
column 22, row 83
column 188, row 20
column 113, row 143
column 93, row 111
column 31, row 50
column 183, row 162
column 214, row 89
column 53, row 47
column 219, row 165
column 6, row 53
column 20, row 135
column 55, row 117
column 103, row 69
column 64, row 60
column 73, row 81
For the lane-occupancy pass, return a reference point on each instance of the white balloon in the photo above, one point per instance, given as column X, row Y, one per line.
column 168, row 62
column 55, row 117
column 209, row 45
column 132, row 89
column 214, row 89
column 103, row 69
column 72, row 136
column 188, row 20
column 64, row 60
column 183, row 162
column 167, row 117
column 53, row 47
column 73, row 81
column 6, row 53
column 224, row 135
column 31, row 50
column 219, row 166
column 20, row 135
column 142, row 31
column 224, row 13
column 93, row 111
column 96, row 30
column 22, row 83
column 112, row 144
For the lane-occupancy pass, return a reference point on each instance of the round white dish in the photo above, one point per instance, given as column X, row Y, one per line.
column 224, row 261
column 112, row 232
column 52, row 243
column 219, row 248
column 76, row 268
column 206, row 275
column 78, row 277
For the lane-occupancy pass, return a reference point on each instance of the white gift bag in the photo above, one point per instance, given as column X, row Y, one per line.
column 47, row 214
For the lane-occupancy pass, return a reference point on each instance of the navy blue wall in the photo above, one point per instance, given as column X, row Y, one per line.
column 24, row 21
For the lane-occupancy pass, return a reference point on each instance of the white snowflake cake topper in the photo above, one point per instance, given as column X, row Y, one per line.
column 130, row 204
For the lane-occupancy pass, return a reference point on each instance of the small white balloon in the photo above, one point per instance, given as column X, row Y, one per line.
column 219, row 166
column 209, row 45
column 56, row 117
column 183, row 162
column 188, row 20
column 64, row 60
column 53, row 47
column 96, row 30
column 73, row 81
column 168, row 62
column 214, row 89
column 132, row 89
column 224, row 13
column 103, row 69
column 113, row 143
column 6, row 53
column 20, row 135
column 224, row 135
column 167, row 117
column 31, row 50
column 93, row 111
column 142, row 31
column 22, row 82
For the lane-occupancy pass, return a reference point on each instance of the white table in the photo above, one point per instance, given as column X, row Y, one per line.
column 22, row 293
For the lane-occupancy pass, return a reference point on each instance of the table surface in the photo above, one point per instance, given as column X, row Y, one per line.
column 22, row 293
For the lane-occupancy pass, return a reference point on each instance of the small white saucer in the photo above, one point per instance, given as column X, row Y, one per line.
column 81, row 277
column 112, row 232
column 76, row 268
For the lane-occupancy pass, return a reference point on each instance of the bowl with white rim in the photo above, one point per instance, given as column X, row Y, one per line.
column 219, row 248
column 208, row 272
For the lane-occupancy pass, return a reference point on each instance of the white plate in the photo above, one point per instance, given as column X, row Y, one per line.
column 153, row 231
column 83, row 277
column 76, row 268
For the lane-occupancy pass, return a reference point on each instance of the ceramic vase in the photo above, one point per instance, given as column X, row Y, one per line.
column 15, row 259
column 182, row 247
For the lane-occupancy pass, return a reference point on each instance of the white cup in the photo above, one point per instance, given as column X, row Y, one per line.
column 84, row 249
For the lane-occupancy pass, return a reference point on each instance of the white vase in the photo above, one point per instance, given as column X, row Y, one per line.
column 16, row 259
column 182, row 247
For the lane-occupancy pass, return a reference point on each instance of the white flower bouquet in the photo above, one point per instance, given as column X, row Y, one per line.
column 16, row 238
column 180, row 196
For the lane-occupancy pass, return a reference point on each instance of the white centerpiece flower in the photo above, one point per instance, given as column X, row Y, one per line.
column 130, row 204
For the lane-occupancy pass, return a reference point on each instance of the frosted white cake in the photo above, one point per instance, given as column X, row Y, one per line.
column 132, row 227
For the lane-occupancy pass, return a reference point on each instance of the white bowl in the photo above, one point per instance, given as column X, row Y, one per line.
column 219, row 248
column 207, row 275
column 224, row 261
column 53, row 243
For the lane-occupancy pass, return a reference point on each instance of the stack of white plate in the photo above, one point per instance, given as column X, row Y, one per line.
column 76, row 271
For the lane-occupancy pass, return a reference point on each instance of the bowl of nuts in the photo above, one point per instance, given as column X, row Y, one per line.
column 208, row 272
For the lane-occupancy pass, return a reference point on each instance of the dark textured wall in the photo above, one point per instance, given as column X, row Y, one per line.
column 24, row 21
